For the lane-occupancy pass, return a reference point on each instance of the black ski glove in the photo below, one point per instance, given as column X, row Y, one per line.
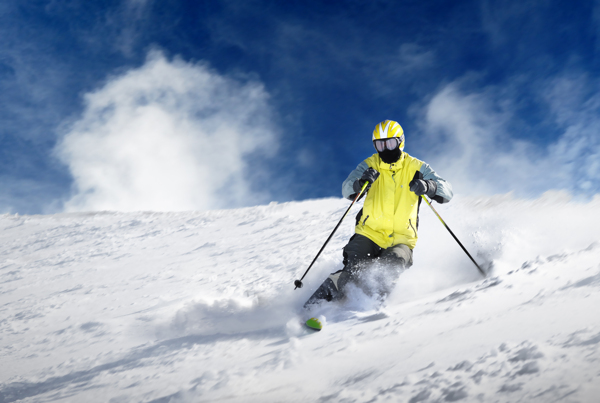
column 423, row 187
column 370, row 175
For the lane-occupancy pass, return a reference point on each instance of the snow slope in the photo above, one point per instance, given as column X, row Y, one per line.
column 188, row 307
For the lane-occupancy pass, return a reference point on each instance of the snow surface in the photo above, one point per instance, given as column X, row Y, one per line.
column 188, row 307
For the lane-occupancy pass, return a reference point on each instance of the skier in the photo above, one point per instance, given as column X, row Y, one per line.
column 386, row 227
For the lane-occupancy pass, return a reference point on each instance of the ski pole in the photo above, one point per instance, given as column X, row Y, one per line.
column 298, row 283
column 454, row 236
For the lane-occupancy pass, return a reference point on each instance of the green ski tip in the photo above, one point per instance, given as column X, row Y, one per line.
column 314, row 323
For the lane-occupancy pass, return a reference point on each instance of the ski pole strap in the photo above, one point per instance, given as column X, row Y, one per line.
column 454, row 236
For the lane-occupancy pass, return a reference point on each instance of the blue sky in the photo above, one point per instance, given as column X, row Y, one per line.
column 177, row 105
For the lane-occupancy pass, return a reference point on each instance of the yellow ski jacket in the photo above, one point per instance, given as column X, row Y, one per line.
column 390, row 212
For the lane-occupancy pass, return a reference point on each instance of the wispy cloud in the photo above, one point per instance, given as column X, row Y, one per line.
column 169, row 135
column 503, row 20
column 575, row 104
column 128, row 23
column 470, row 137
column 469, row 141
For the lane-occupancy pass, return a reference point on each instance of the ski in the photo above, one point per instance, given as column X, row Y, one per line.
column 314, row 324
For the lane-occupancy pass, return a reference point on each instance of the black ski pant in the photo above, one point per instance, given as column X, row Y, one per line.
column 370, row 267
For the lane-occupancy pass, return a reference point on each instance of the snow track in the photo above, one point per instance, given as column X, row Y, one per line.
column 186, row 307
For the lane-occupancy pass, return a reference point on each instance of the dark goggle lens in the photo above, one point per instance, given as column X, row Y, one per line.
column 389, row 144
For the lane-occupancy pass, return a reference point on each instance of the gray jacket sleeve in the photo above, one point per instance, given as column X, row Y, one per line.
column 347, row 186
column 444, row 192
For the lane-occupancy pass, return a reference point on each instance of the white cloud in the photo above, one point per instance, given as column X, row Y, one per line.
column 575, row 106
column 168, row 136
column 412, row 57
column 128, row 22
column 473, row 149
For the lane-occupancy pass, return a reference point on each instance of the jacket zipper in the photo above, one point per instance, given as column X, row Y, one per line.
column 365, row 220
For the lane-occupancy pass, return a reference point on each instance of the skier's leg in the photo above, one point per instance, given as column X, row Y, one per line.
column 358, row 250
column 393, row 262
column 398, row 255
column 357, row 254
column 327, row 291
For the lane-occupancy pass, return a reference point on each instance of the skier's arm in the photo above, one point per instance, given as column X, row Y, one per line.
column 443, row 193
column 347, row 187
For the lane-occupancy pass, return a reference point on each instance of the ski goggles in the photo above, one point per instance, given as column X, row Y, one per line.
column 386, row 144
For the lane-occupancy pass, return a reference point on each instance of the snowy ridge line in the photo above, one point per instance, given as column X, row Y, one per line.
column 185, row 307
